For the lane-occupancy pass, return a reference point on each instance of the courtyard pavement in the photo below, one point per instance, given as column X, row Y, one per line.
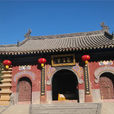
column 15, row 109
column 107, row 108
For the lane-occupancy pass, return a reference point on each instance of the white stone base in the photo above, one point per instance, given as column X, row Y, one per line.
column 96, row 95
column 81, row 96
column 35, row 97
column 49, row 96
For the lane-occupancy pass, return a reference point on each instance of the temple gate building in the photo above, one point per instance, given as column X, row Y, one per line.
column 77, row 67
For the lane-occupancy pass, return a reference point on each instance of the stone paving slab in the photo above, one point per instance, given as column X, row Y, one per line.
column 3, row 108
column 17, row 109
column 107, row 108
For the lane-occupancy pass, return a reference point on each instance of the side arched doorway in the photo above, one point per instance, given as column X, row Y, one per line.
column 65, row 82
column 24, row 90
column 107, row 86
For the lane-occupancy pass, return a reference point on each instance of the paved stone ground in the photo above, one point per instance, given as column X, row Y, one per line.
column 3, row 108
column 107, row 108
column 15, row 109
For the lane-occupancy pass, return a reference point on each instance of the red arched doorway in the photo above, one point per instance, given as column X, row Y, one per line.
column 65, row 82
column 24, row 90
column 107, row 86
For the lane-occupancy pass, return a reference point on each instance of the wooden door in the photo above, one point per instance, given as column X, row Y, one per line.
column 24, row 91
column 106, row 88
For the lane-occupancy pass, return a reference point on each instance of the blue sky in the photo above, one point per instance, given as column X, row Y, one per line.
column 52, row 17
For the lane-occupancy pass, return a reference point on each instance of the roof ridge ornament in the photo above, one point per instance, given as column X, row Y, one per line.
column 18, row 43
column 27, row 35
column 112, row 35
column 105, row 28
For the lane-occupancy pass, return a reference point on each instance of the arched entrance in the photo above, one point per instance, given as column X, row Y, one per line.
column 65, row 82
column 107, row 86
column 24, row 90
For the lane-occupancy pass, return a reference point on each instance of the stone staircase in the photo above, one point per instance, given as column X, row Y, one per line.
column 59, row 108
column 66, row 108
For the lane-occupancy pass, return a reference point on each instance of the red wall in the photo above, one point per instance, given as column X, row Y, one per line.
column 92, row 67
column 37, row 77
column 35, row 81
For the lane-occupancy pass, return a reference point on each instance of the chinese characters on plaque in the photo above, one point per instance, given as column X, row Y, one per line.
column 61, row 60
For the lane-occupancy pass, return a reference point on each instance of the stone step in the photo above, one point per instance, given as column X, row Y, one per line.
column 75, row 108
column 66, row 106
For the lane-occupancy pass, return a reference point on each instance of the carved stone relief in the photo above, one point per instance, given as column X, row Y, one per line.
column 79, row 72
column 50, row 72
column 76, row 69
column 24, row 73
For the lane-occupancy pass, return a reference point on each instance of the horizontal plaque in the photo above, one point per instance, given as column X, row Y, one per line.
column 63, row 60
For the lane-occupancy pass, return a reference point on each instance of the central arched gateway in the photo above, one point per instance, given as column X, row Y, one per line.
column 24, row 90
column 65, row 82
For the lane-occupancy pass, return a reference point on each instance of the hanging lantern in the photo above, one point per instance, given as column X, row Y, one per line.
column 42, row 61
column 85, row 58
column 7, row 63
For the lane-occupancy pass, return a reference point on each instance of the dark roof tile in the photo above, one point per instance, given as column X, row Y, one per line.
column 65, row 42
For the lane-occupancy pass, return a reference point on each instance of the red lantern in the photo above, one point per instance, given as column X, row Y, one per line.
column 42, row 61
column 7, row 63
column 85, row 58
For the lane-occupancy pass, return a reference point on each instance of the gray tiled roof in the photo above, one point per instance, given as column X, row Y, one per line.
column 57, row 43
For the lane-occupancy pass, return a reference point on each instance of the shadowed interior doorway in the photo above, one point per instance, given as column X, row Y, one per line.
column 65, row 82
